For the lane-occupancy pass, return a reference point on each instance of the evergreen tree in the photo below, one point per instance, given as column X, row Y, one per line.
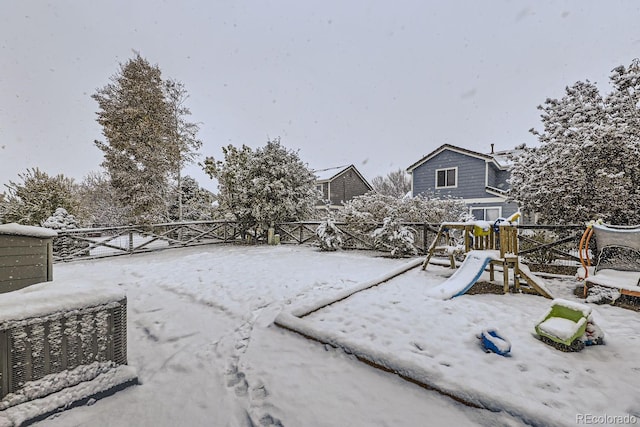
column 395, row 184
column 265, row 186
column 147, row 139
column 65, row 246
column 33, row 200
column 588, row 163
column 197, row 203
column 61, row 220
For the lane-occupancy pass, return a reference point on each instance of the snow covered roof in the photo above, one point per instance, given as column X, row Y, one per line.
column 14, row 229
column 505, row 159
column 327, row 174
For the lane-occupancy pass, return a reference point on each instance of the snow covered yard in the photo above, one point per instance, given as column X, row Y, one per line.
column 202, row 337
column 435, row 341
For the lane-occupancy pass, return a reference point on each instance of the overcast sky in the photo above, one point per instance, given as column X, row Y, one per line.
column 370, row 83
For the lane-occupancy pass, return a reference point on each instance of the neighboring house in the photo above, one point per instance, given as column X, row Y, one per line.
column 479, row 179
column 340, row 184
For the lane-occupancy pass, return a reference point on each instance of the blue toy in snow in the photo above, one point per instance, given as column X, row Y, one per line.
column 492, row 342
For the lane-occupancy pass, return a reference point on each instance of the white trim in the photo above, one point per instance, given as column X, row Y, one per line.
column 486, row 200
column 484, row 208
column 496, row 191
column 444, row 147
column 486, row 174
column 333, row 207
column 412, row 194
column 455, row 168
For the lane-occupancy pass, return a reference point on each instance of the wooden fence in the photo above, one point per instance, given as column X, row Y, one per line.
column 109, row 241
column 305, row 233
column 550, row 244
column 539, row 244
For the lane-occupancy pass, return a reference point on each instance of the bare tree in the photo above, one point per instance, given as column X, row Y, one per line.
column 395, row 184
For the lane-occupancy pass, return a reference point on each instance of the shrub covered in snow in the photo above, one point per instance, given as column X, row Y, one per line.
column 394, row 237
column 374, row 208
column 64, row 245
column 61, row 220
column 329, row 235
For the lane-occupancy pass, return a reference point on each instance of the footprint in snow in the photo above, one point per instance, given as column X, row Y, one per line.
column 239, row 383
column 269, row 421
column 259, row 392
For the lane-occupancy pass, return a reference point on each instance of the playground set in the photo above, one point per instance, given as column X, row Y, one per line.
column 485, row 245
column 566, row 325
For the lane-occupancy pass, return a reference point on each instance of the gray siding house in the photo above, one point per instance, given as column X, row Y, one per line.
column 340, row 184
column 479, row 179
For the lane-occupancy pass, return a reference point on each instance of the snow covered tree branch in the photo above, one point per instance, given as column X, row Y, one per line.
column 588, row 163
column 147, row 139
column 33, row 200
column 262, row 187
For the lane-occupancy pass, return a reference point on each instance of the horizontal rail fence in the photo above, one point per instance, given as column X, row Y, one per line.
column 539, row 244
column 109, row 241
column 304, row 232
column 550, row 244
column 87, row 243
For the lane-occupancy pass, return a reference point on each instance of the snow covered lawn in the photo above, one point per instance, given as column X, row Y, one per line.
column 400, row 327
column 202, row 337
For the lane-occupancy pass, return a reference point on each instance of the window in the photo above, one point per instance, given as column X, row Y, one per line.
column 446, row 177
column 486, row 214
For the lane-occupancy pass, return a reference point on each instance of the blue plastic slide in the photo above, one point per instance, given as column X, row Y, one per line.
column 465, row 276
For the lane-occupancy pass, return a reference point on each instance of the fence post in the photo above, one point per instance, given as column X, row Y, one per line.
column 424, row 238
column 130, row 241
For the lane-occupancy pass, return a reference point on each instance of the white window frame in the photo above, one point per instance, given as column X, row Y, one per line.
column 484, row 209
column 455, row 169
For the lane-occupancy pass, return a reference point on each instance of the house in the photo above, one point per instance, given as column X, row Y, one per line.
column 340, row 184
column 481, row 180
